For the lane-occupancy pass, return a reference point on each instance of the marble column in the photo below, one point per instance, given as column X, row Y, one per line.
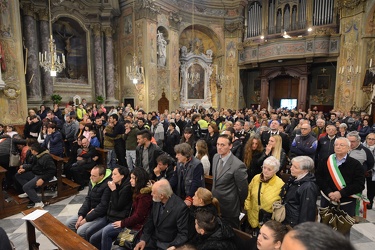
column 31, row 43
column 47, row 82
column 264, row 89
column 109, row 67
column 98, row 60
column 302, row 91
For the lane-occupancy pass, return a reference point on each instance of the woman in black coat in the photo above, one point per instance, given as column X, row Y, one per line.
column 213, row 234
column 120, row 202
column 301, row 192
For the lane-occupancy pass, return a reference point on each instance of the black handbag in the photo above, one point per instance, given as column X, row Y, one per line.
column 263, row 216
column 127, row 238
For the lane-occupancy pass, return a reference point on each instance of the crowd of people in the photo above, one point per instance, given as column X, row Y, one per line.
column 154, row 177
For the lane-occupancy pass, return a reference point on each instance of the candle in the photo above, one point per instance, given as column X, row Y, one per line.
column 40, row 57
column 370, row 62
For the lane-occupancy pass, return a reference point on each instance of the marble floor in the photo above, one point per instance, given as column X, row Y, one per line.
column 362, row 234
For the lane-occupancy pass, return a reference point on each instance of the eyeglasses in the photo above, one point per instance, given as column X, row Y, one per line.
column 371, row 139
column 304, row 128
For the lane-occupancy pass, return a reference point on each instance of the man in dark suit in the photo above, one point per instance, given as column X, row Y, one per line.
column 274, row 130
column 229, row 181
column 167, row 224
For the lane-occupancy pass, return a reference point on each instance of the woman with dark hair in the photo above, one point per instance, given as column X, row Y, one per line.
column 212, row 233
column 140, row 208
column 211, row 140
column 364, row 129
column 188, row 137
column 253, row 157
column 119, row 205
column 54, row 141
column 271, row 235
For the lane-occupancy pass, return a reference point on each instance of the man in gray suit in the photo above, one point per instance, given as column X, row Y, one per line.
column 229, row 181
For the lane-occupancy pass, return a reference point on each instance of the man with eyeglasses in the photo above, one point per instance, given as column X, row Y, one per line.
column 365, row 156
column 304, row 144
column 340, row 178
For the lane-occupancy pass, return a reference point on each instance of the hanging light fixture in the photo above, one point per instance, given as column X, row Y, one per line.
column 135, row 71
column 192, row 77
column 51, row 61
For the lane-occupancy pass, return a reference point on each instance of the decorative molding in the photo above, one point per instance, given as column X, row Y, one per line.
column 174, row 19
column 147, row 9
column 283, row 49
column 12, row 93
column 349, row 4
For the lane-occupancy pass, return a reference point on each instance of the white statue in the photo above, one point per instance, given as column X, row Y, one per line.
column 162, row 49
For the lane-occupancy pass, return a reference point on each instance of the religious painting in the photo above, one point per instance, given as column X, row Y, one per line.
column 257, row 85
column 323, row 82
column 70, row 40
column 196, row 85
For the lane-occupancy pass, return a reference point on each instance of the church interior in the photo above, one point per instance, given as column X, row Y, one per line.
column 211, row 53
column 175, row 54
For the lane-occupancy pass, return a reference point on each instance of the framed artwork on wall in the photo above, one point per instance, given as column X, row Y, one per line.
column 323, row 82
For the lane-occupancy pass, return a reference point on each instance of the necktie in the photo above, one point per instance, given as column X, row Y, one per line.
column 219, row 168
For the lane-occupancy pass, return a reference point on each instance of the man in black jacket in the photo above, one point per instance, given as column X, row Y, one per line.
column 352, row 174
column 31, row 176
column 95, row 205
column 147, row 153
column 167, row 224
column 118, row 131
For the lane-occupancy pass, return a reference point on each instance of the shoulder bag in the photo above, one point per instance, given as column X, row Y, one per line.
column 14, row 157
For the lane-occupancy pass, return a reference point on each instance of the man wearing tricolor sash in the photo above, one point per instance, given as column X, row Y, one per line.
column 340, row 178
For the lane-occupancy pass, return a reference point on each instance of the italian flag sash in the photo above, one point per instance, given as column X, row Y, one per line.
column 336, row 175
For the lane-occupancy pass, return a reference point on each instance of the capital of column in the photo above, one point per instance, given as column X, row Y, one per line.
column 28, row 10
column 96, row 28
column 108, row 31
column 43, row 14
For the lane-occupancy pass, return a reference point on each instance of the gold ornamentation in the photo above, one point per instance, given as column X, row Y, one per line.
column 12, row 93
column 350, row 4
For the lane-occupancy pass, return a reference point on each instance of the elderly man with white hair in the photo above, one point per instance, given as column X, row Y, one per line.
column 320, row 128
column 301, row 192
column 341, row 178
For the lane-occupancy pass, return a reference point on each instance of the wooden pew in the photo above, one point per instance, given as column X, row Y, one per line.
column 64, row 187
column 208, row 181
column 2, row 198
column 102, row 156
column 59, row 234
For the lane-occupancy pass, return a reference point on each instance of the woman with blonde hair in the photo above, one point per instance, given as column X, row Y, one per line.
column 202, row 151
column 275, row 148
column 253, row 159
column 203, row 199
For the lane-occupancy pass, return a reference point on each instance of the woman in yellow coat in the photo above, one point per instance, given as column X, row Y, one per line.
column 267, row 187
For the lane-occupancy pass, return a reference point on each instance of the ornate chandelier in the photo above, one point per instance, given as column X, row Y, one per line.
column 193, row 78
column 51, row 61
column 135, row 72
